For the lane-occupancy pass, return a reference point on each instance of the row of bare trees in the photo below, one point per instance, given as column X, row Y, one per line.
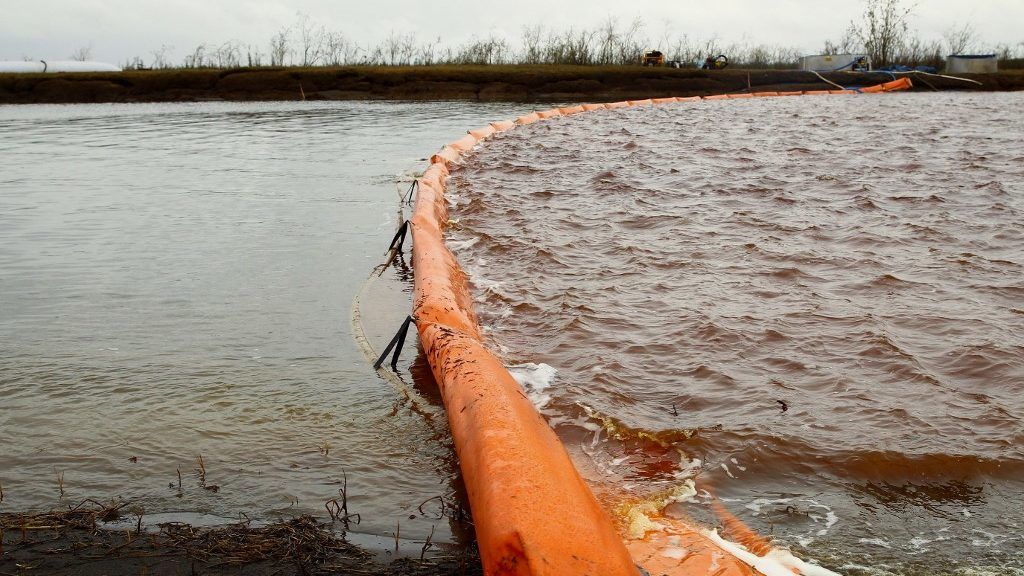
column 306, row 43
column 882, row 30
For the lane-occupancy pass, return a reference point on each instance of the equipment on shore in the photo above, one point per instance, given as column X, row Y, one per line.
column 657, row 58
column 972, row 64
column 715, row 62
column 835, row 62
column 652, row 58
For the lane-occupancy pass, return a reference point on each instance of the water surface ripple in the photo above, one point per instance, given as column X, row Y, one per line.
column 176, row 280
column 815, row 304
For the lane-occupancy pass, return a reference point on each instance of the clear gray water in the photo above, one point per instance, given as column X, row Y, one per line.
column 176, row 280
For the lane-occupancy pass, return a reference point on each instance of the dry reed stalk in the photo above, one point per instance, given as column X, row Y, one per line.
column 428, row 543
column 201, row 469
column 60, row 480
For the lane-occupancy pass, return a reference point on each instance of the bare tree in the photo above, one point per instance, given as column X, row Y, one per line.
column 913, row 51
column 160, row 59
column 311, row 40
column 711, row 48
column 960, row 40
column 848, row 44
column 631, row 43
column 607, row 41
column 227, row 55
column 339, row 50
column 399, row 49
column 428, row 52
column 198, row 58
column 280, row 47
column 490, row 50
column 882, row 29
column 253, row 56
column 532, row 36
column 82, row 54
column 1008, row 54
column 134, row 63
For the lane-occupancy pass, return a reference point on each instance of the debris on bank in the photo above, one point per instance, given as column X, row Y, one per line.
column 75, row 541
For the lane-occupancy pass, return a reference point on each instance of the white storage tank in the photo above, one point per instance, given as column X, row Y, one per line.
column 57, row 66
column 972, row 64
column 831, row 62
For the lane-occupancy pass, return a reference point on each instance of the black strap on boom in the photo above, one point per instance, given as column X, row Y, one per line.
column 397, row 343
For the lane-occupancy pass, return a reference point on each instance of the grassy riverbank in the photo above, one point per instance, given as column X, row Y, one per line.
column 539, row 83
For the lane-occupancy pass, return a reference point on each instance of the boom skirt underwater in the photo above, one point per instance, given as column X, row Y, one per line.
column 533, row 512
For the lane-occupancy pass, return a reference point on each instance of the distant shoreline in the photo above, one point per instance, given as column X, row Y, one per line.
column 500, row 83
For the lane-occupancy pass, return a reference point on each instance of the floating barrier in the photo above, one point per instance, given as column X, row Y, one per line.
column 503, row 125
column 533, row 513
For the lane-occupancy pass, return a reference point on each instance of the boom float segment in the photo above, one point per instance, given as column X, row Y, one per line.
column 533, row 513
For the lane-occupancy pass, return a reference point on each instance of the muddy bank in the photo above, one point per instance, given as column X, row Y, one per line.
column 479, row 83
column 94, row 539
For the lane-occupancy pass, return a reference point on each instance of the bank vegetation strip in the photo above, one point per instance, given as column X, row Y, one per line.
column 513, row 83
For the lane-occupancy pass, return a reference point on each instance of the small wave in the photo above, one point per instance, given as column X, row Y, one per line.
column 889, row 281
column 790, row 273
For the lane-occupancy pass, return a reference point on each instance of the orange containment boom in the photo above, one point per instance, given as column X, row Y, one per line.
column 533, row 513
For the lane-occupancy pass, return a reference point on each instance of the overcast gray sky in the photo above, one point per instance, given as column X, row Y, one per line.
column 120, row 29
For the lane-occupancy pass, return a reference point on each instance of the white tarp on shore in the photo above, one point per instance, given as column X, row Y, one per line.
column 56, row 66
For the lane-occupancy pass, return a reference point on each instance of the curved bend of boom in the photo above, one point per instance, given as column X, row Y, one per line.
column 533, row 513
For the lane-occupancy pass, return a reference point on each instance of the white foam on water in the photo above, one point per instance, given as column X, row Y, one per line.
column 726, row 468
column 459, row 245
column 535, row 380
column 777, row 562
column 875, row 542
column 759, row 503
column 989, row 539
column 689, row 468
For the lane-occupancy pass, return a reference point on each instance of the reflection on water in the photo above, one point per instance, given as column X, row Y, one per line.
column 813, row 304
column 175, row 281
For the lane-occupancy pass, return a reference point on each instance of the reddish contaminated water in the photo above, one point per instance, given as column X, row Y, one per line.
column 812, row 306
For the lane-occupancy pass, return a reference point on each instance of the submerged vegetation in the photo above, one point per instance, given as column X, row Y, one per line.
column 882, row 30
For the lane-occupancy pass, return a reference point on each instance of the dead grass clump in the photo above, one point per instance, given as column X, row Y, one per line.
column 302, row 541
column 86, row 516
